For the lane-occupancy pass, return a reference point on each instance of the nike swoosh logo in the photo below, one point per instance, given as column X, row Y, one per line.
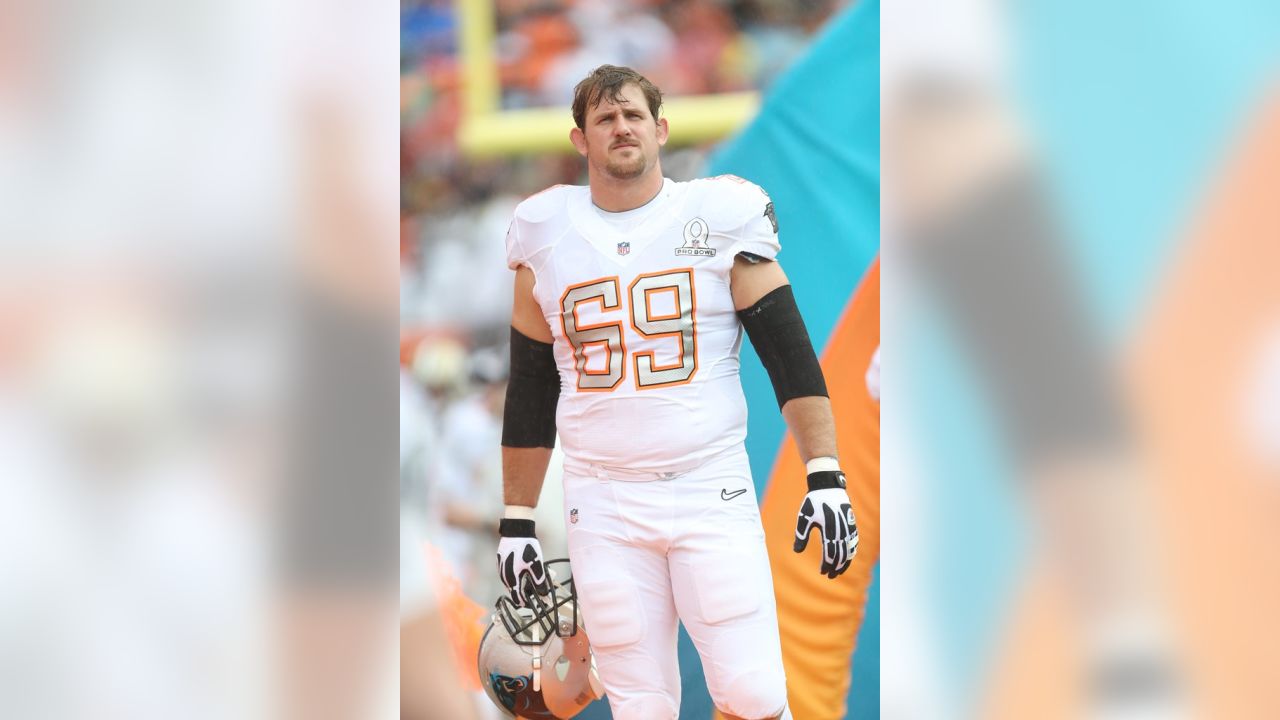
column 726, row 495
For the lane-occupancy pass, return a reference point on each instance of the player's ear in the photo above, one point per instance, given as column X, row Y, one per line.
column 579, row 140
column 663, row 132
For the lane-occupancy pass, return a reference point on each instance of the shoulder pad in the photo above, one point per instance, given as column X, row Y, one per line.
column 729, row 201
column 533, row 226
column 543, row 205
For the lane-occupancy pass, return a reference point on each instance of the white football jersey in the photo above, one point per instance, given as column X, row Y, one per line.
column 646, row 336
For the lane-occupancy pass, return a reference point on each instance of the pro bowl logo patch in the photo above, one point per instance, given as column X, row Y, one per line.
column 696, row 234
column 624, row 248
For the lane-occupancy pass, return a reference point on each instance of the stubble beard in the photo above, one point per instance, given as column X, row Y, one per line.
column 626, row 169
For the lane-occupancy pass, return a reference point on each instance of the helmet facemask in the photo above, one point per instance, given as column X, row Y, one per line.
column 536, row 662
column 555, row 613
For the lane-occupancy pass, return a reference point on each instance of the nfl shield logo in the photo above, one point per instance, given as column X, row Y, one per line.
column 573, row 515
column 624, row 248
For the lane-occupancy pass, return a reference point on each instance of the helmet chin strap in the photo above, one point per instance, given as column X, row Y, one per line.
column 535, row 661
column 521, row 642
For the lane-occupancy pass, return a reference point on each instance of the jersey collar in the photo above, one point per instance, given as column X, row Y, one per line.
column 602, row 236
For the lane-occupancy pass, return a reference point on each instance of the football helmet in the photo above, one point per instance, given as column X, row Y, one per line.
column 536, row 662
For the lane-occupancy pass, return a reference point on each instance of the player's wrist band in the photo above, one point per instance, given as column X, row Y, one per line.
column 517, row 512
column 820, row 464
column 826, row 479
column 515, row 528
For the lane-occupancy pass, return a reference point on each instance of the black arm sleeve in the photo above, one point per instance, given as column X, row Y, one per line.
column 529, row 416
column 778, row 334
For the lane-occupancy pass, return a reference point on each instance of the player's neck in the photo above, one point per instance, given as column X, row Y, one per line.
column 613, row 195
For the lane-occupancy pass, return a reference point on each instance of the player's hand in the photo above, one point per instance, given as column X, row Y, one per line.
column 520, row 563
column 827, row 509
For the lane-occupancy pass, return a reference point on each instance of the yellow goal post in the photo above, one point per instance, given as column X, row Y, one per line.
column 485, row 130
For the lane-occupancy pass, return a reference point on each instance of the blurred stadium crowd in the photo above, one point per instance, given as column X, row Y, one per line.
column 543, row 47
column 455, row 286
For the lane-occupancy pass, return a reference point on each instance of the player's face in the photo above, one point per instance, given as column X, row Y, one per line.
column 622, row 139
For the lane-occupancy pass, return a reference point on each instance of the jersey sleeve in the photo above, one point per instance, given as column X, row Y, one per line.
column 529, row 226
column 758, row 232
column 515, row 253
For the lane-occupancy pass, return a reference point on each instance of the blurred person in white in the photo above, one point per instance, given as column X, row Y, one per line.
column 980, row 228
column 631, row 297
column 440, row 367
column 418, row 442
column 430, row 688
column 435, row 377
column 466, row 492
column 436, row 293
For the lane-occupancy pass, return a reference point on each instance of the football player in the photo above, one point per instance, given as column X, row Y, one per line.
column 631, row 297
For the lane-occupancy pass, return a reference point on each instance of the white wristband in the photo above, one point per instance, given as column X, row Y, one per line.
column 517, row 512
column 822, row 464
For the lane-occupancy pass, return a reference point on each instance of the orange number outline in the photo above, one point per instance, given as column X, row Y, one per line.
column 679, row 334
column 580, row 351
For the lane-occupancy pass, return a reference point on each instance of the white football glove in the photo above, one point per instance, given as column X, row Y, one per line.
column 520, row 563
column 827, row 508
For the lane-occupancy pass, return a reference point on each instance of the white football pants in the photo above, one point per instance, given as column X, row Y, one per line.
column 648, row 550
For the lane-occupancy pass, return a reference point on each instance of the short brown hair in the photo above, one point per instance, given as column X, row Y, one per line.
column 607, row 81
